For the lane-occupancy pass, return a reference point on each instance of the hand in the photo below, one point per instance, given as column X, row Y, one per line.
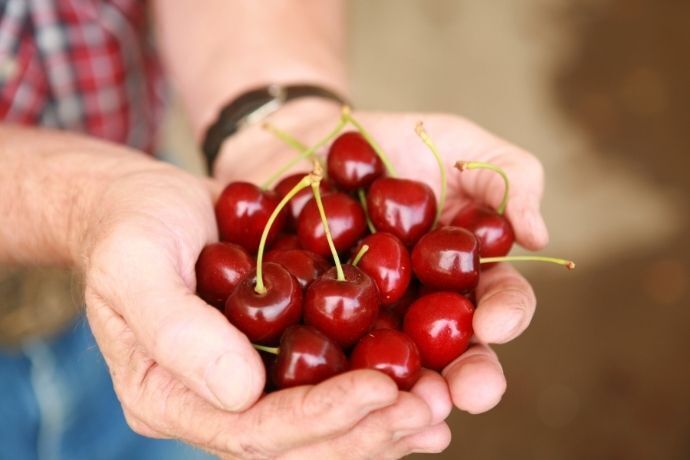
column 506, row 302
column 182, row 371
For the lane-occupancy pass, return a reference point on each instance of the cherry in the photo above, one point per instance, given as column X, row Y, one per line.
column 242, row 212
column 494, row 232
column 440, row 324
column 345, row 219
column 400, row 307
column 491, row 227
column 403, row 207
column 352, row 162
column 344, row 308
column 388, row 263
column 219, row 269
column 470, row 295
column 386, row 320
column 286, row 241
column 300, row 199
column 448, row 259
column 305, row 266
column 270, row 300
column 262, row 317
column 305, row 357
column 390, row 352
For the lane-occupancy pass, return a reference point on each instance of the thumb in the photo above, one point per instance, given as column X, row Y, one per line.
column 181, row 333
column 198, row 345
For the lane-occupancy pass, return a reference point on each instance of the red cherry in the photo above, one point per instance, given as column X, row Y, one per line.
column 388, row 263
column 242, row 211
column 345, row 218
column 494, row 232
column 306, row 357
column 403, row 207
column 305, row 266
column 286, row 241
column 300, row 199
column 440, row 324
column 343, row 310
column 386, row 320
column 400, row 307
column 390, row 352
column 352, row 162
column 219, row 268
column 264, row 317
column 447, row 259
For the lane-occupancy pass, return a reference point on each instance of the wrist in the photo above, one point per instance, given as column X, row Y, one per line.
column 252, row 154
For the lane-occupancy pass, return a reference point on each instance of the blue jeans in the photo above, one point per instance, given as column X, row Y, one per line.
column 57, row 403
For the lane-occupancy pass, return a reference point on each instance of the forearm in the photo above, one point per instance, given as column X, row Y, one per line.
column 216, row 49
column 49, row 181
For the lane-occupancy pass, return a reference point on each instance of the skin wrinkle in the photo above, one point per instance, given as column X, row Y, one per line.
column 181, row 412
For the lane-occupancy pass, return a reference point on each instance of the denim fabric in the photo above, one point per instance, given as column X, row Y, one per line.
column 57, row 403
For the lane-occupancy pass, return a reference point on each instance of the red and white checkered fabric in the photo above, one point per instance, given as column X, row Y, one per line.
column 83, row 65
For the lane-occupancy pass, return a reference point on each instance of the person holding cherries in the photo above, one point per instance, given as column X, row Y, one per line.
column 136, row 229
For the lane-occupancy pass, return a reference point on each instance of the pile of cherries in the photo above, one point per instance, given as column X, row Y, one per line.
column 404, row 300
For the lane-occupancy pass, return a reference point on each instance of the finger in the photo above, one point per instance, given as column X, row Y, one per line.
column 506, row 305
column 432, row 440
column 280, row 422
column 475, row 380
column 177, row 329
column 290, row 418
column 433, row 389
column 376, row 434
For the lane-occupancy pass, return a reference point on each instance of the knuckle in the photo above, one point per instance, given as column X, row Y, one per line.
column 319, row 400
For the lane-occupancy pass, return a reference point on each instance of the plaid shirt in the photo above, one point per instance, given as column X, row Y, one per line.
column 83, row 65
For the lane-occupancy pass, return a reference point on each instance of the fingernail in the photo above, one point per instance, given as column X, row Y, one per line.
column 232, row 382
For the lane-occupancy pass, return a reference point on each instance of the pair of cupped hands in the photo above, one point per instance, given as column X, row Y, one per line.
column 182, row 371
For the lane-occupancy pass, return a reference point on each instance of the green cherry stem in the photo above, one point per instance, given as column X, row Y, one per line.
column 272, row 350
column 361, row 194
column 347, row 115
column 419, row 129
column 363, row 250
column 302, row 184
column 304, row 154
column 284, row 136
column 463, row 165
column 569, row 264
column 327, row 230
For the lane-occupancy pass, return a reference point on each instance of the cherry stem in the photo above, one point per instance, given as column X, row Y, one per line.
column 363, row 250
column 305, row 182
column 347, row 115
column 272, row 350
column 363, row 202
column 324, row 221
column 304, row 154
column 284, row 136
column 463, row 165
column 419, row 129
column 569, row 264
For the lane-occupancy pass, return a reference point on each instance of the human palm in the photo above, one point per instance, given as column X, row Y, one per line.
column 506, row 302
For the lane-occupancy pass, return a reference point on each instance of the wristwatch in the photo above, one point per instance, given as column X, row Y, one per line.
column 252, row 107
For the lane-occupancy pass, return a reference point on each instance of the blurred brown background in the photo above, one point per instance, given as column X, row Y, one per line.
column 599, row 90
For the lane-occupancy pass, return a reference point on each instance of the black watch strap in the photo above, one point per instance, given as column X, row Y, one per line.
column 252, row 106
